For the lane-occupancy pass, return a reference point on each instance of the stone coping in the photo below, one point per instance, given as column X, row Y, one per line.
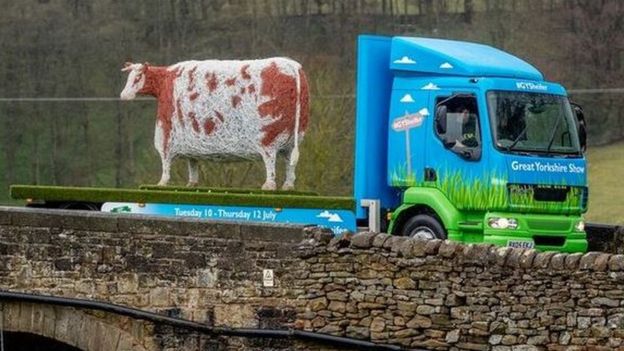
column 475, row 254
column 146, row 224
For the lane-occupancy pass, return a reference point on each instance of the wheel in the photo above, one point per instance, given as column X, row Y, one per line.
column 424, row 227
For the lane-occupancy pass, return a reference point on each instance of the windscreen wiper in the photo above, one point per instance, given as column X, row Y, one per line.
column 552, row 136
column 508, row 148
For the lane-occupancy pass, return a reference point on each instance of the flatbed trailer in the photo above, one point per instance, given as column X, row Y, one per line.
column 253, row 205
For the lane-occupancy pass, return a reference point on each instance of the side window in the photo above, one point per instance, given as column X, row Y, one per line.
column 457, row 125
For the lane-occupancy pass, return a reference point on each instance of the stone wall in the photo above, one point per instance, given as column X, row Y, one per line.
column 446, row 296
column 204, row 271
column 438, row 295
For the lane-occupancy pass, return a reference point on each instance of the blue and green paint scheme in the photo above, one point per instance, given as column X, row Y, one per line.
column 403, row 76
column 338, row 221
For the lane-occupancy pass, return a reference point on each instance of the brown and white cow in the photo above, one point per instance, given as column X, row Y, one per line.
column 225, row 110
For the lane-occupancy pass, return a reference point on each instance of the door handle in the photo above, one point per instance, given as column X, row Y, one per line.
column 430, row 175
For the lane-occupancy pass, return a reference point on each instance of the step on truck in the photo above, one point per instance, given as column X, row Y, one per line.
column 454, row 140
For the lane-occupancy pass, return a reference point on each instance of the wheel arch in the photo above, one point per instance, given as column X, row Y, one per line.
column 429, row 201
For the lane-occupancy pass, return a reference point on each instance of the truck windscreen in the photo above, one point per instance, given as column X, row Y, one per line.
column 532, row 123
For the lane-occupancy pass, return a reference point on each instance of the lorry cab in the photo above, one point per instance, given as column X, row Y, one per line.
column 466, row 142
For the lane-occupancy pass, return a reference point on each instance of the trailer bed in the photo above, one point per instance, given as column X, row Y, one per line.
column 175, row 195
column 248, row 205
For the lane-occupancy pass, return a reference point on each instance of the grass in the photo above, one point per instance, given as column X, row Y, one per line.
column 98, row 195
column 200, row 189
column 606, row 184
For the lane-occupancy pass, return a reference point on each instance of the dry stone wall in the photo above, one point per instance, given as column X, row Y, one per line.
column 203, row 271
column 434, row 295
column 447, row 296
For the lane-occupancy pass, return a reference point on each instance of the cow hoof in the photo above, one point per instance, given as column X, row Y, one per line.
column 269, row 186
column 287, row 186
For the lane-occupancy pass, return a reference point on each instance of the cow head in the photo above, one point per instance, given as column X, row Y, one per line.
column 136, row 79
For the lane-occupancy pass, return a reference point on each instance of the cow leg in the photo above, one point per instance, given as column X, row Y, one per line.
column 289, row 183
column 166, row 167
column 193, row 172
column 165, row 157
column 269, row 156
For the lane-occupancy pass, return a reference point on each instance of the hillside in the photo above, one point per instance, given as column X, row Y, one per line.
column 606, row 193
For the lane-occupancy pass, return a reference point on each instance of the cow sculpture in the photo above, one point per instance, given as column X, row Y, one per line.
column 225, row 110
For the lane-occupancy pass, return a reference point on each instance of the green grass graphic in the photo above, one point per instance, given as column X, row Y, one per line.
column 525, row 200
column 472, row 193
column 468, row 192
column 400, row 177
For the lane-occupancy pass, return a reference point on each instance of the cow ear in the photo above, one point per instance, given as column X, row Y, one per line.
column 145, row 65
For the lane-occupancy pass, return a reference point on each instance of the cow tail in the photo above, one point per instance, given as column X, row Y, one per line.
column 294, row 155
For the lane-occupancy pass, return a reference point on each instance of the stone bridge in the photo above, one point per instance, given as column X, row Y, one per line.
column 211, row 273
column 371, row 287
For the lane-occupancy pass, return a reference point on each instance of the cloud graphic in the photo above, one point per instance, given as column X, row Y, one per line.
column 424, row 112
column 407, row 98
column 446, row 65
column 405, row 61
column 430, row 86
column 331, row 217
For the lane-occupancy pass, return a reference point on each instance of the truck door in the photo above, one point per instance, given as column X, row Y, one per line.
column 454, row 162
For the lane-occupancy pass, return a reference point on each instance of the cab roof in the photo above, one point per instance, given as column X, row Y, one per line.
column 450, row 57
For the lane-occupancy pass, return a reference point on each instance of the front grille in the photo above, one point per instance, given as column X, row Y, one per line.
column 548, row 198
column 556, row 194
column 548, row 224
column 546, row 240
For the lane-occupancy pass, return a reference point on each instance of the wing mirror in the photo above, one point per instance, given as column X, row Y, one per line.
column 440, row 119
column 581, row 124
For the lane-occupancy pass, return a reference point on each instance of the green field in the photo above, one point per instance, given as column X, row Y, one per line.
column 606, row 184
column 217, row 196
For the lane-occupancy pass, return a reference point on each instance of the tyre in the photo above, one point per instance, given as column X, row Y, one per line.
column 424, row 227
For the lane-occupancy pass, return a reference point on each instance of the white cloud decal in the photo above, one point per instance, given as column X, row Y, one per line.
column 407, row 98
column 424, row 112
column 446, row 65
column 405, row 61
column 430, row 86
column 331, row 217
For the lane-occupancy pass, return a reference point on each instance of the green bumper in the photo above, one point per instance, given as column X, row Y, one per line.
column 544, row 232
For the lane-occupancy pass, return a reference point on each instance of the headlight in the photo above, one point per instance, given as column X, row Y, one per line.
column 580, row 226
column 502, row 223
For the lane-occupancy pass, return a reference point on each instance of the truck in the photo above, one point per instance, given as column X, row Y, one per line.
column 453, row 140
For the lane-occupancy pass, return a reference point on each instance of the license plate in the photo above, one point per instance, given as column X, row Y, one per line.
column 521, row 244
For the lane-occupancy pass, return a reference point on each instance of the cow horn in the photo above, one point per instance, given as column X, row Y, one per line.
column 127, row 67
